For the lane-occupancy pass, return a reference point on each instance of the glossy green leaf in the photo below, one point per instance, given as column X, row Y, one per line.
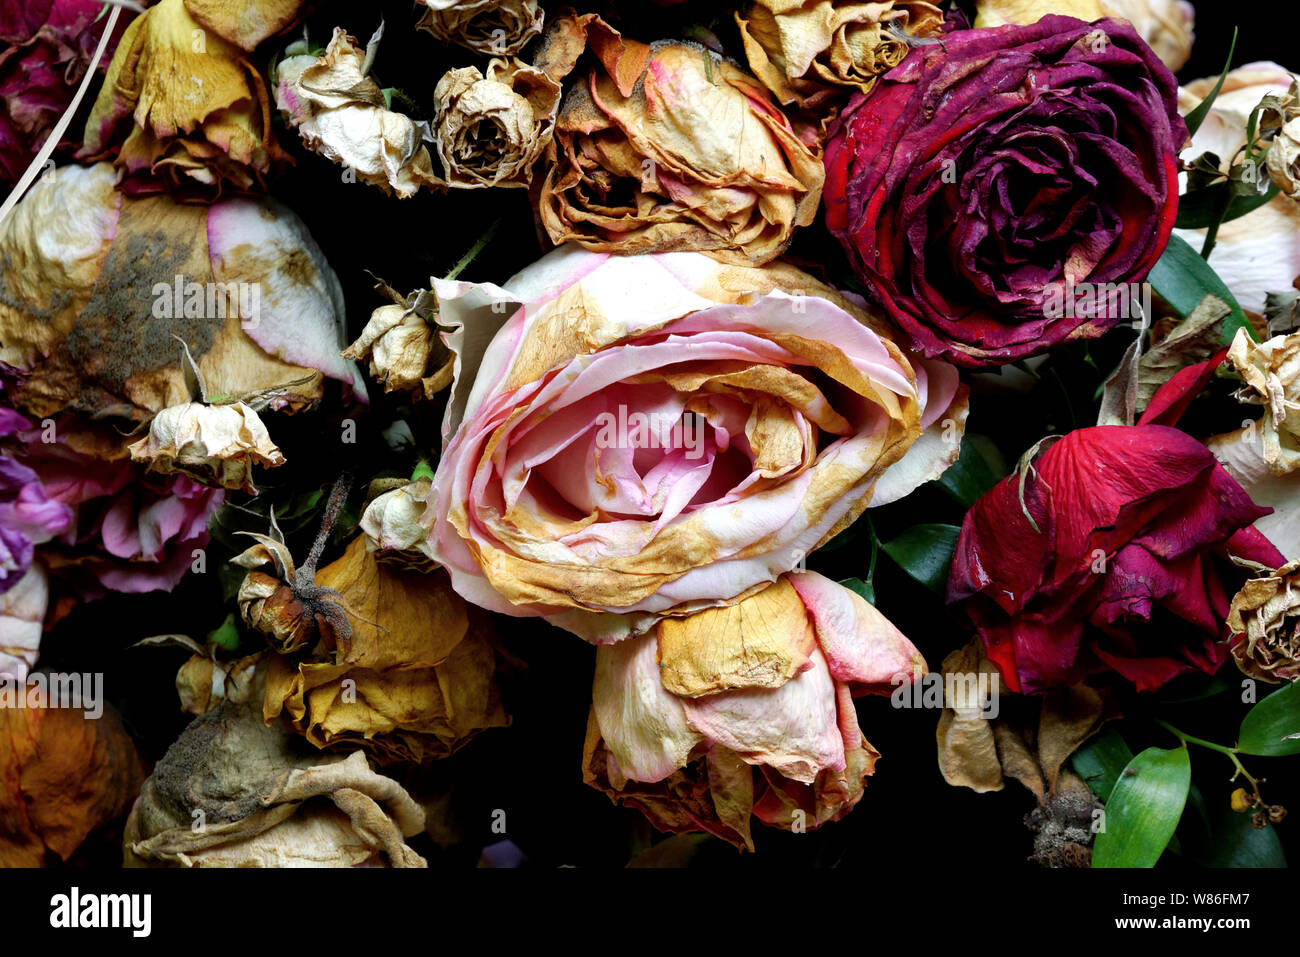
column 865, row 589
column 1101, row 761
column 1235, row 842
column 1196, row 117
column 1200, row 209
column 1272, row 727
column 977, row 469
column 925, row 553
column 1143, row 809
column 1183, row 279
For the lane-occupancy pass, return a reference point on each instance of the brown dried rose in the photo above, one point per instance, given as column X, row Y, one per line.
column 62, row 776
column 492, row 129
column 807, row 51
column 413, row 686
column 668, row 147
column 233, row 791
column 1264, row 619
column 213, row 444
column 402, row 345
column 498, row 27
column 341, row 113
column 189, row 111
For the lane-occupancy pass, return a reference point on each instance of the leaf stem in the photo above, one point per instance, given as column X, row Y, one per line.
column 1223, row 749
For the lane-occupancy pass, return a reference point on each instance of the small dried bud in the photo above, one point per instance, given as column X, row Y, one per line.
column 1242, row 800
column 404, row 351
column 216, row 445
column 1277, row 814
column 397, row 526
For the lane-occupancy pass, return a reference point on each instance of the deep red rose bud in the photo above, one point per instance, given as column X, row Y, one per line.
column 1111, row 560
column 988, row 174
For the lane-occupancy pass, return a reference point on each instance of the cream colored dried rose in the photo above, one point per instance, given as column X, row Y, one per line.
column 1166, row 25
column 1265, row 623
column 213, row 444
column 402, row 346
column 341, row 113
column 1284, row 159
column 805, row 52
column 499, row 27
column 1270, row 376
column 492, row 129
column 397, row 526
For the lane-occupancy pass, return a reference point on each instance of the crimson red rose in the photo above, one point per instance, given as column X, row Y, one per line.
column 1112, row 562
column 989, row 172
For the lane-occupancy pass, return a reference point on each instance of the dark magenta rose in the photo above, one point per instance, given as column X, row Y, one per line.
column 45, row 48
column 990, row 171
column 1134, row 526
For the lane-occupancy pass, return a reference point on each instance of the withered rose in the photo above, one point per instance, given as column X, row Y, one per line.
column 401, row 346
column 341, row 113
column 214, row 444
column 186, row 109
column 62, row 776
column 245, row 23
column 45, row 49
column 493, row 128
column 989, row 173
column 1253, row 254
column 414, row 681
column 285, row 604
column 1265, row 623
column 1108, row 553
column 668, row 147
column 397, row 524
column 96, row 288
column 745, row 710
column 264, row 802
column 498, row 27
column 1165, row 25
column 1284, row 159
column 806, row 51
column 658, row 434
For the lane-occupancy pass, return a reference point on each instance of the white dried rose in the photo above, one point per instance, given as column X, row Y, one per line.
column 499, row 27
column 492, row 129
column 398, row 523
column 403, row 350
column 342, row 114
column 1284, row 159
column 214, row 444
column 22, row 620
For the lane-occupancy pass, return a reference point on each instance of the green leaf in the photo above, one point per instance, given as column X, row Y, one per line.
column 1272, row 727
column 977, row 469
column 1101, row 761
column 1200, row 209
column 1183, row 279
column 1143, row 809
column 865, row 589
column 1238, row 843
column 226, row 634
column 1196, row 117
column 925, row 553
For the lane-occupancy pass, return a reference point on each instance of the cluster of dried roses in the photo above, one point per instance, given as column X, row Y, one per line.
column 156, row 292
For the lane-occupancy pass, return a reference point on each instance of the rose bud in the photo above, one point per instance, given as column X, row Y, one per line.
column 497, row 27
column 1253, row 254
column 745, row 710
column 989, row 174
column 660, row 434
column 286, row 808
column 45, row 49
column 341, row 113
column 196, row 137
column 807, row 53
column 401, row 347
column 492, row 129
column 93, row 317
column 397, row 526
column 1165, row 25
column 669, row 147
column 66, row 775
column 245, row 23
column 416, row 680
column 213, row 444
column 1101, row 555
column 1264, row 620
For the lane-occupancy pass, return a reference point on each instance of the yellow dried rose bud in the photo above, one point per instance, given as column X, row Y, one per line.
column 397, row 526
column 498, row 27
column 668, row 147
column 806, row 52
column 213, row 444
column 1283, row 159
column 341, row 113
column 492, row 129
column 194, row 109
column 1264, row 620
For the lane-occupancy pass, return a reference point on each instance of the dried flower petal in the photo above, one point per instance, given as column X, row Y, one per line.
column 498, row 27
column 1265, row 623
column 213, row 444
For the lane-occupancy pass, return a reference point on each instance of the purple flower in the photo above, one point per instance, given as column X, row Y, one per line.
column 28, row 515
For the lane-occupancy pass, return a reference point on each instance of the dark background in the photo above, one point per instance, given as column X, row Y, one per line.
column 531, row 770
